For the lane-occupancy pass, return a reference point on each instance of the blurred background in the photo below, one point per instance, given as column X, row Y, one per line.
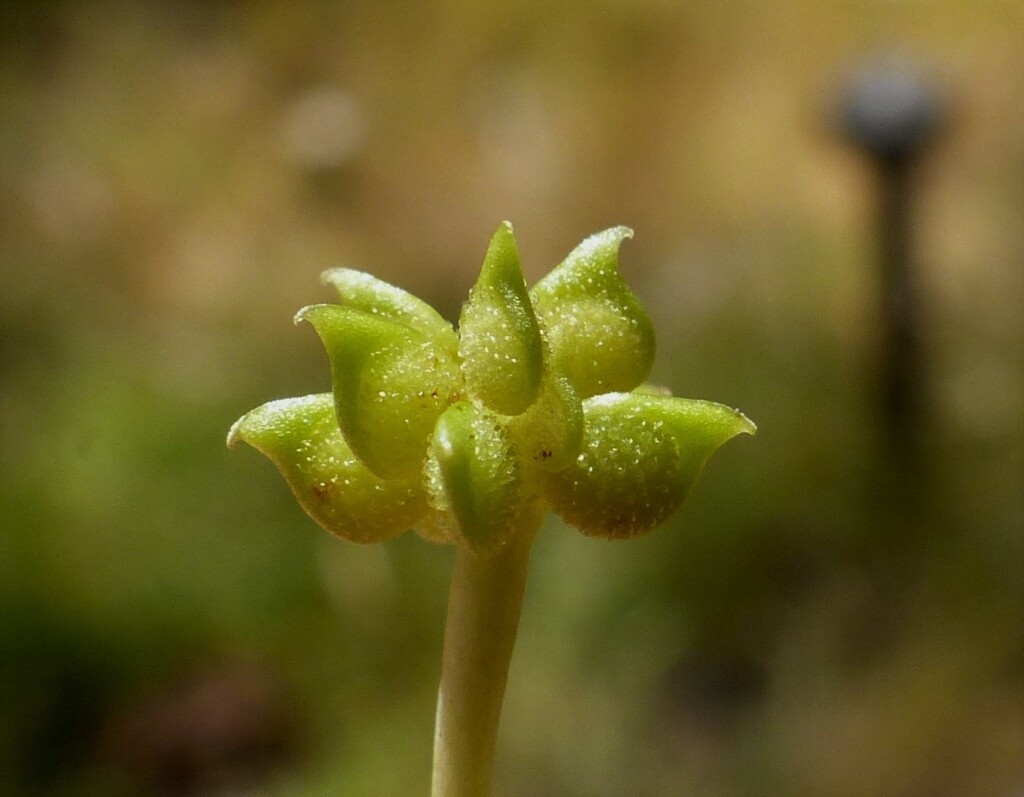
column 826, row 617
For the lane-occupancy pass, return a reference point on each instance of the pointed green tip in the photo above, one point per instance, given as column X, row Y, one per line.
column 599, row 334
column 309, row 313
column 361, row 291
column 235, row 433
column 746, row 426
column 501, row 263
column 499, row 337
column 602, row 242
column 613, row 235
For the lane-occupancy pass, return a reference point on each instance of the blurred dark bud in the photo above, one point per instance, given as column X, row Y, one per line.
column 890, row 109
column 216, row 729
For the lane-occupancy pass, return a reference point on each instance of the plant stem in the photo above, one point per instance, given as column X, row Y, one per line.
column 483, row 616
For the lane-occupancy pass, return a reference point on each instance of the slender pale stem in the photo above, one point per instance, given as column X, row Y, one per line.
column 483, row 617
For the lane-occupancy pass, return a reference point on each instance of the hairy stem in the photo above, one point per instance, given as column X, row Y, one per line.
column 483, row 617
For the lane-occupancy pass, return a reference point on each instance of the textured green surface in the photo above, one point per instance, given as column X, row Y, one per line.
column 599, row 333
column 499, row 339
column 336, row 489
column 475, row 473
column 641, row 456
column 390, row 381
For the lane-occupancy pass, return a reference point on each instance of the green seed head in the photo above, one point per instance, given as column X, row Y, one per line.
column 538, row 400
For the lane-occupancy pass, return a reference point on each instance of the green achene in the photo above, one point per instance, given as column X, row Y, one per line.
column 537, row 401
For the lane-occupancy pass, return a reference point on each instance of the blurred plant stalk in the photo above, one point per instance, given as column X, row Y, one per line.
column 892, row 113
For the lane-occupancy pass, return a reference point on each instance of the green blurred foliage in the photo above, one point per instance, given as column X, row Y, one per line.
column 176, row 176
